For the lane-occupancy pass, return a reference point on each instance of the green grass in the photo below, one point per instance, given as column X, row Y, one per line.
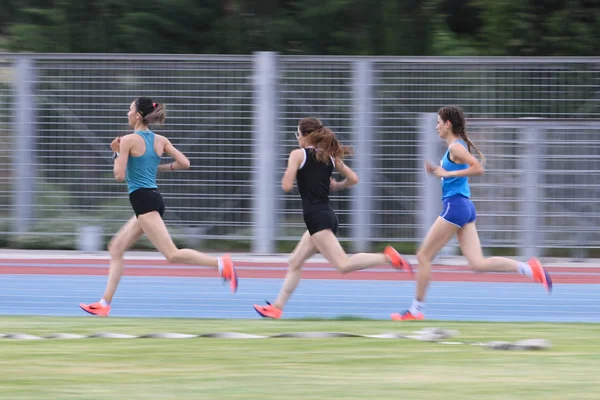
column 346, row 368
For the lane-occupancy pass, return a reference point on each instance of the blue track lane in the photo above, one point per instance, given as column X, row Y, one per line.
column 207, row 298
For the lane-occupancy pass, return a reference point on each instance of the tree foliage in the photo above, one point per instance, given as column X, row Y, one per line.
column 355, row 27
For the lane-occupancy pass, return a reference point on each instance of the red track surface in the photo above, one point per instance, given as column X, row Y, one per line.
column 590, row 275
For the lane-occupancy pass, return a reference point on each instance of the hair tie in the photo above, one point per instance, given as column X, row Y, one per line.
column 154, row 105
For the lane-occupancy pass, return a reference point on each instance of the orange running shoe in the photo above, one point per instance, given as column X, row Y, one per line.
column 268, row 311
column 96, row 309
column 407, row 316
column 398, row 261
column 228, row 273
column 540, row 275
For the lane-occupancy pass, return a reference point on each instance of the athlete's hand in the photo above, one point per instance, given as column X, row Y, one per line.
column 334, row 185
column 116, row 144
column 429, row 167
column 441, row 172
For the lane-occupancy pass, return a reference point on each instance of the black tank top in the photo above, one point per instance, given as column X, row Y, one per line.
column 313, row 181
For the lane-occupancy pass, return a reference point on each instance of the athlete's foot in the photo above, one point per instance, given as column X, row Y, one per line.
column 407, row 316
column 397, row 260
column 540, row 275
column 268, row 311
column 96, row 309
column 228, row 273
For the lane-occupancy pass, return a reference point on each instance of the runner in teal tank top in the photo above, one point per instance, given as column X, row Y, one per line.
column 141, row 170
column 458, row 215
column 137, row 160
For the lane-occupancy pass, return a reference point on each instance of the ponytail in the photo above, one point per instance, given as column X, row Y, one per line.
column 157, row 116
column 328, row 146
column 151, row 112
column 471, row 147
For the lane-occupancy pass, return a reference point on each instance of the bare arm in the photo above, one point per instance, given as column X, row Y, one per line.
column 461, row 156
column 294, row 161
column 350, row 177
column 181, row 161
column 123, row 147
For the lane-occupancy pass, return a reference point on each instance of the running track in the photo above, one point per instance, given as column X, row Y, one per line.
column 154, row 288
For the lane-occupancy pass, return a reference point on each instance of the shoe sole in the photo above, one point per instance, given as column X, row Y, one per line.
column 234, row 278
column 234, row 281
column 404, row 265
column 408, row 319
column 263, row 315
column 91, row 313
column 547, row 280
column 407, row 266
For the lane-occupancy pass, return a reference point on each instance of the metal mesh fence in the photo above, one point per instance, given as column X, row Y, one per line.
column 6, row 135
column 82, row 106
column 81, row 103
column 323, row 90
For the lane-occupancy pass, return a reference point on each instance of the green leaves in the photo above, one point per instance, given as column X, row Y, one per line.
column 360, row 27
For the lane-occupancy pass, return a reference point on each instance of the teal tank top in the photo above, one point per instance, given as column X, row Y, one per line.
column 141, row 171
column 455, row 185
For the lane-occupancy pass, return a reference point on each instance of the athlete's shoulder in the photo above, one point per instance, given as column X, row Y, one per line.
column 297, row 153
column 160, row 138
column 460, row 144
column 458, row 147
column 130, row 138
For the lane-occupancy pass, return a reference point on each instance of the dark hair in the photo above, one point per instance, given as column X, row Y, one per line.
column 151, row 112
column 455, row 115
column 324, row 140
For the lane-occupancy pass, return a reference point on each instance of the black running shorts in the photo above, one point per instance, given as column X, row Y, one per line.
column 321, row 219
column 146, row 200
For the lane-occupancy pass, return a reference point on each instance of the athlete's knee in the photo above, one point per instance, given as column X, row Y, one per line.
column 477, row 265
column 293, row 263
column 173, row 256
column 341, row 265
column 115, row 249
column 343, row 269
column 423, row 257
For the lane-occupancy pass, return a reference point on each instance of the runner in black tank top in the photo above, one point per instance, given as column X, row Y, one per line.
column 314, row 180
column 311, row 166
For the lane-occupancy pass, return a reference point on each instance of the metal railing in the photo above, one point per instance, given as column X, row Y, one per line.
column 234, row 116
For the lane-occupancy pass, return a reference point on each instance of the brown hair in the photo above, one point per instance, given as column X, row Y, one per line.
column 151, row 112
column 324, row 140
column 455, row 115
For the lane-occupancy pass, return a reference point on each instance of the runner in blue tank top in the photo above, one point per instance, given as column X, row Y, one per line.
column 137, row 160
column 458, row 214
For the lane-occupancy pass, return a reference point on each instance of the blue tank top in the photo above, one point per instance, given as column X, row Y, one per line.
column 455, row 185
column 141, row 170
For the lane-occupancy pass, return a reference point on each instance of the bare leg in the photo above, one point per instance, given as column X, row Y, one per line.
column 468, row 239
column 439, row 234
column 155, row 229
column 303, row 251
column 124, row 239
column 328, row 245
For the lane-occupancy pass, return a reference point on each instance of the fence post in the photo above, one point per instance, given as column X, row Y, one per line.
column 265, row 129
column 24, row 139
column 530, row 193
column 430, row 189
column 362, row 130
